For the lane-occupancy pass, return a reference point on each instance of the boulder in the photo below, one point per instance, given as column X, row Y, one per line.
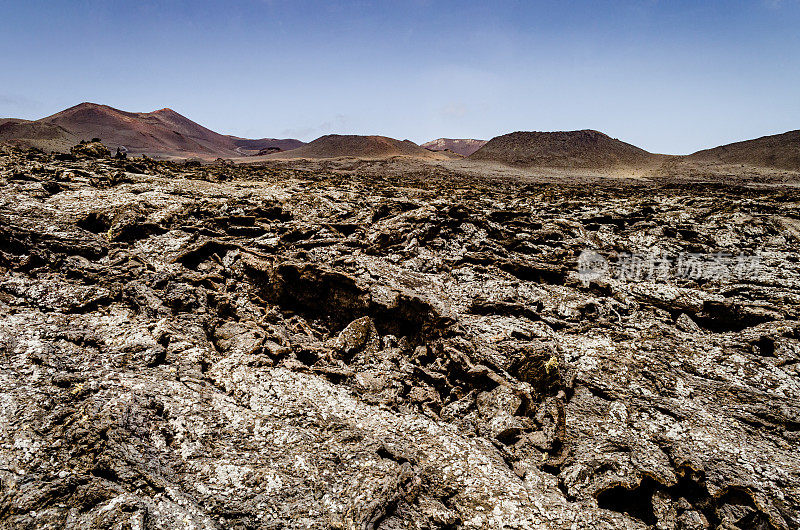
column 90, row 150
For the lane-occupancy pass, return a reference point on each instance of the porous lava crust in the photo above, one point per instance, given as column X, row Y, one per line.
column 187, row 346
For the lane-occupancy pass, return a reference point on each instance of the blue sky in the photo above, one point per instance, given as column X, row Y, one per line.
column 669, row 76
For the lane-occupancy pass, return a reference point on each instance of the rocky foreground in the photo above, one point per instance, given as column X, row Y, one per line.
column 228, row 347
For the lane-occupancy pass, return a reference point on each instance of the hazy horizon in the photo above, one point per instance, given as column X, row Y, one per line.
column 668, row 78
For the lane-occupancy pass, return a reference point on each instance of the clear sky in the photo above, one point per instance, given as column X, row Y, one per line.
column 669, row 76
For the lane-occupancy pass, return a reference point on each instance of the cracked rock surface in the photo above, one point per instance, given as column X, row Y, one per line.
column 268, row 347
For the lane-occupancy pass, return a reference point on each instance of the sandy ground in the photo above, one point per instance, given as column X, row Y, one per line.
column 672, row 169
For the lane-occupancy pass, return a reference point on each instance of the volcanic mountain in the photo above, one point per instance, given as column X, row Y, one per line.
column 573, row 149
column 780, row 151
column 461, row 146
column 337, row 145
column 162, row 132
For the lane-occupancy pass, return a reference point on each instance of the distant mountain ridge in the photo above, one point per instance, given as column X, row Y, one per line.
column 167, row 133
column 781, row 151
column 161, row 132
column 461, row 146
column 349, row 145
column 569, row 149
column 253, row 146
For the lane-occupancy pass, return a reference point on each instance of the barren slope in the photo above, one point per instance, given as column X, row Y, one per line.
column 778, row 151
column 162, row 131
column 45, row 136
column 337, row 145
column 4, row 121
column 462, row 146
column 248, row 146
column 587, row 148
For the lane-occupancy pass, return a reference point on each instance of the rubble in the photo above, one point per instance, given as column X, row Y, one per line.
column 93, row 149
column 224, row 346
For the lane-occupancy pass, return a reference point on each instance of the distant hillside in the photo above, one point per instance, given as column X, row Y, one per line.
column 460, row 146
column 4, row 121
column 45, row 136
column 247, row 146
column 780, row 151
column 587, row 148
column 162, row 132
column 336, row 145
